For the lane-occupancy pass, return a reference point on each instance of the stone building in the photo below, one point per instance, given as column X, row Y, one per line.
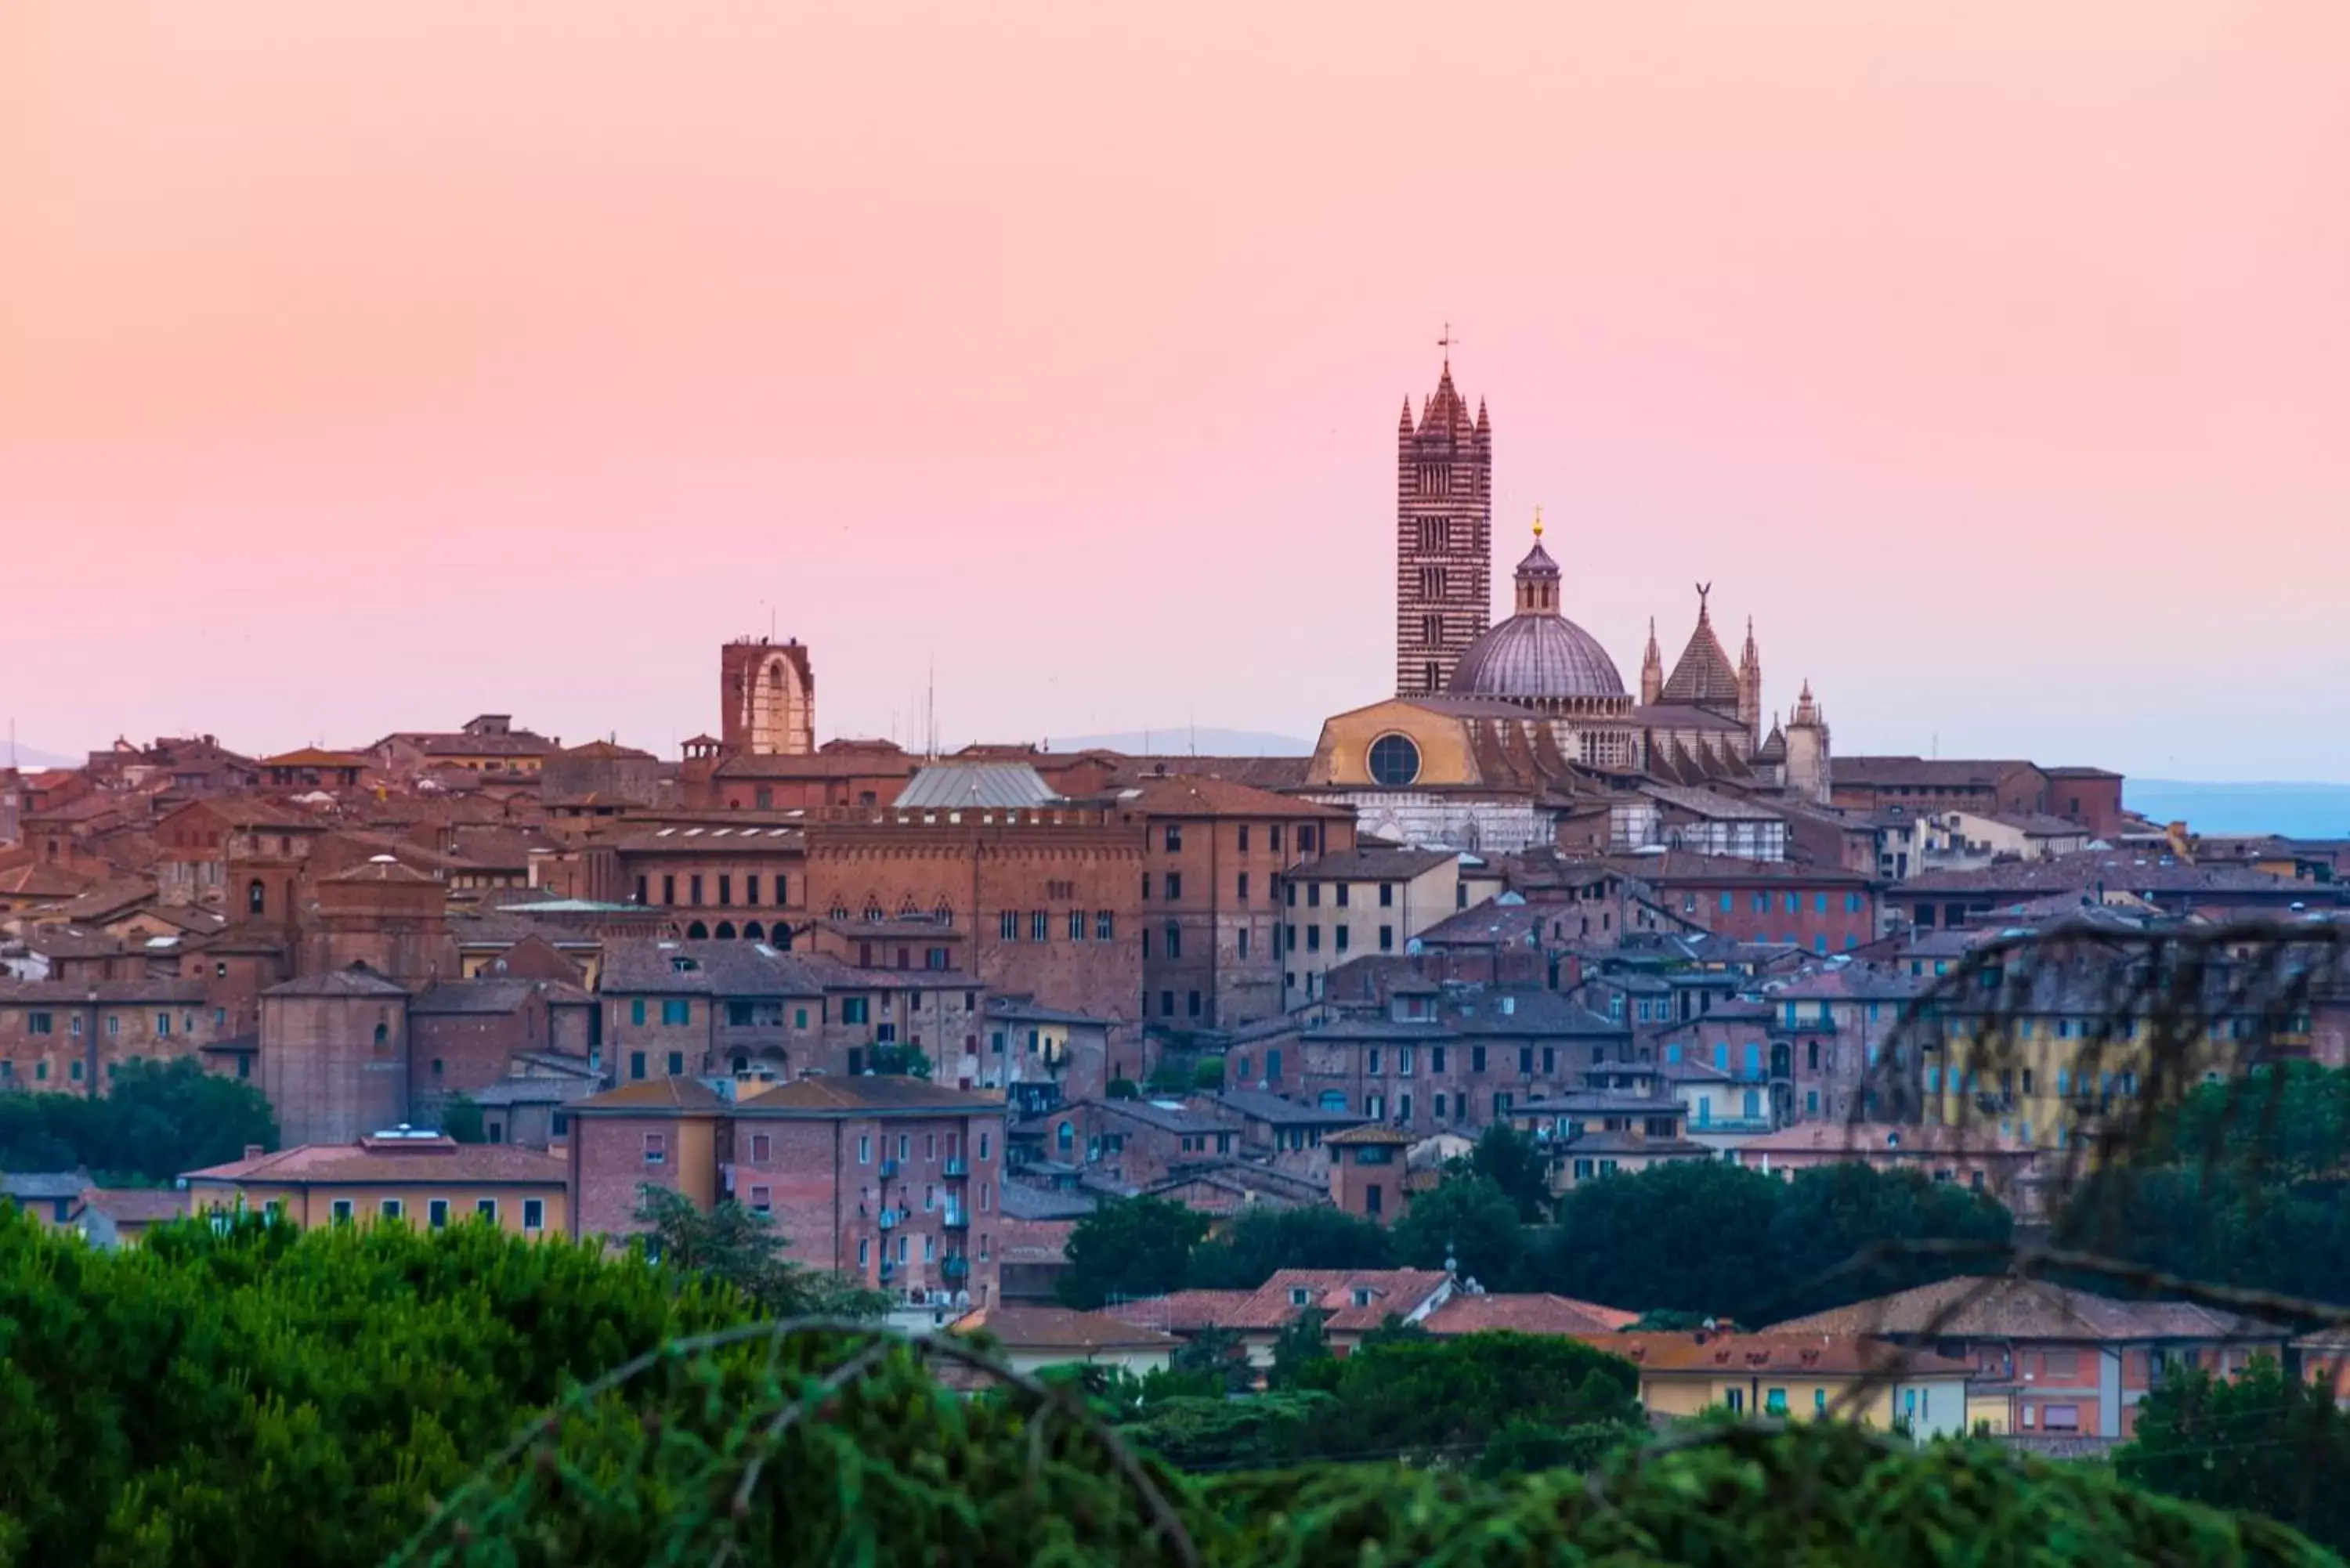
column 1444, row 546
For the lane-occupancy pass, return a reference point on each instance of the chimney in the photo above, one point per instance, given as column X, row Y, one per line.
column 253, row 1151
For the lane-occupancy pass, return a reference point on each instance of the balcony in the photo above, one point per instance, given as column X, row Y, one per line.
column 956, row 1219
column 954, row 1266
column 955, row 1169
column 889, row 1219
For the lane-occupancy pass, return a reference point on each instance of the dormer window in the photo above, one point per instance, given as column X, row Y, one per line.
column 1362, row 1295
column 1299, row 1295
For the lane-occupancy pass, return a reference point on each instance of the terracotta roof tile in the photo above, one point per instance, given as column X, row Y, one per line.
column 1048, row 1329
column 1535, row 1313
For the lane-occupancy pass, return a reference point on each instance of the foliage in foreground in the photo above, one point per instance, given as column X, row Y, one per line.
column 306, row 1400
column 756, row 1462
column 2261, row 1441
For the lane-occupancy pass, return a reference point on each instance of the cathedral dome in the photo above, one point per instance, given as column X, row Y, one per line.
column 1537, row 656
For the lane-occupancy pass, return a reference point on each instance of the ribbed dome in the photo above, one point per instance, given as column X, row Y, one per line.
column 1534, row 658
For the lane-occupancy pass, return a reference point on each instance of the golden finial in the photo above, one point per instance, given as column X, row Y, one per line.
column 1537, row 521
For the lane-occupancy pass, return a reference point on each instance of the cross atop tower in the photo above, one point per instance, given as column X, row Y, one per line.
column 1446, row 343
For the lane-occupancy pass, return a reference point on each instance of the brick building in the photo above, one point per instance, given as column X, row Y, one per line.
column 1049, row 895
column 1215, row 860
column 463, row 1036
column 1455, row 1061
column 728, row 876
column 2054, row 1362
column 197, row 845
column 891, row 1181
column 72, row 1037
column 334, row 1056
column 1134, row 1143
column 1818, row 909
column 684, row 1009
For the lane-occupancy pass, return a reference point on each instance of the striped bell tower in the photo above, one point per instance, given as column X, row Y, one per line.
column 1444, row 535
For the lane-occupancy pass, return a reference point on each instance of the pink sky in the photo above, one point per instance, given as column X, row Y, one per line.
column 369, row 365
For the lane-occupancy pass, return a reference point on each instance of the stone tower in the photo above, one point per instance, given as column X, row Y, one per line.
column 1444, row 537
column 1806, row 773
column 766, row 699
column 1652, row 669
column 1750, row 688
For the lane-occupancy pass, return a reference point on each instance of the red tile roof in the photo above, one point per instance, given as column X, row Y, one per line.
column 1525, row 1314
column 315, row 1164
column 1830, row 1354
column 1047, row 1328
column 1193, row 794
column 2012, row 1308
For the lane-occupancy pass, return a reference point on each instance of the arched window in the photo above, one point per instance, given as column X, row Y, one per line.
column 908, row 909
column 838, row 912
column 1753, row 1105
column 725, row 932
column 1174, row 940
column 943, row 912
column 1753, row 1060
column 1064, row 1137
column 256, row 897
column 780, row 939
column 872, row 910
column 697, row 932
column 383, row 1034
column 752, row 931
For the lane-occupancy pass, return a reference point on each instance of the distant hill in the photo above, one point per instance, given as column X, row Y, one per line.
column 2295, row 810
column 31, row 757
column 1183, row 740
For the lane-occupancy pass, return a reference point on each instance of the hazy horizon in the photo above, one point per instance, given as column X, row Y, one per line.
column 1995, row 359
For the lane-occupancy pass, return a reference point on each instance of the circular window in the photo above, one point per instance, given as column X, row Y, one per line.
column 1395, row 761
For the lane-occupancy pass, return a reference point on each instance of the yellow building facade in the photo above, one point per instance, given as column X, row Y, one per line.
column 424, row 1179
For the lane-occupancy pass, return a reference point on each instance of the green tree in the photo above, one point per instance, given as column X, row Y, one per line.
column 1449, row 1397
column 461, row 1118
column 1133, row 1247
column 1513, row 1162
column 742, row 1249
column 899, row 1060
column 1300, row 1355
column 1221, row 1434
column 1470, row 1220
column 1262, row 1241
column 2262, row 1441
column 1690, row 1235
column 160, row 1119
column 1830, row 1215
column 1218, row 1353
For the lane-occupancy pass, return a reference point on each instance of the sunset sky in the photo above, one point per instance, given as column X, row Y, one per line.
column 369, row 365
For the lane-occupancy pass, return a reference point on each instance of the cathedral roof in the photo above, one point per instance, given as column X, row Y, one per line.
column 1704, row 678
column 1774, row 747
column 1536, row 656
